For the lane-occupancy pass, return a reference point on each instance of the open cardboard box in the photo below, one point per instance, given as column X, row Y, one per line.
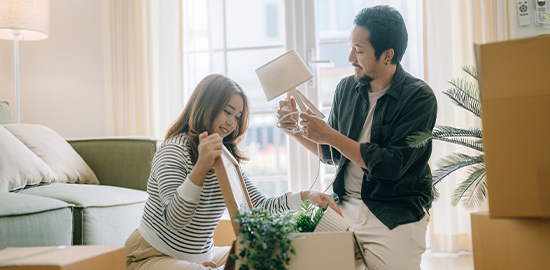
column 515, row 106
column 326, row 250
column 63, row 258
column 506, row 243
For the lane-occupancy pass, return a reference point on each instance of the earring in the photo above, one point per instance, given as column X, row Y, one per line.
column 386, row 62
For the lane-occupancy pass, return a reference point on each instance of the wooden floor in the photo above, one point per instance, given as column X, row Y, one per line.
column 447, row 261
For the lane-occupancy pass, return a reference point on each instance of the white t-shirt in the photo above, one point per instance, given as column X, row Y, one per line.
column 353, row 173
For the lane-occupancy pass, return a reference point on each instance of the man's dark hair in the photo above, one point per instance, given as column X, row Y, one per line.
column 387, row 30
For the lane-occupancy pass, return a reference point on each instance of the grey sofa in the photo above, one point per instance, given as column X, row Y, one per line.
column 81, row 214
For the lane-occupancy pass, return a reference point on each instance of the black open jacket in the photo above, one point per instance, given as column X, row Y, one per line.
column 397, row 183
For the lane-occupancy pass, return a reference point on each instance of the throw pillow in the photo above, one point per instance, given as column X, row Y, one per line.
column 19, row 166
column 67, row 165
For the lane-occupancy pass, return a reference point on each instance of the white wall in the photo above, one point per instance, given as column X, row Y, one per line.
column 518, row 32
column 61, row 78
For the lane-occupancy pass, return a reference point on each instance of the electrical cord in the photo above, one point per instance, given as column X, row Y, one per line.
column 299, row 129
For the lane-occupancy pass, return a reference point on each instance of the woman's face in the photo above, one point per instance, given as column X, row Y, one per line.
column 226, row 121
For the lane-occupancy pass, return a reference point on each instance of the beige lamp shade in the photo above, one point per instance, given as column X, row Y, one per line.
column 283, row 74
column 30, row 17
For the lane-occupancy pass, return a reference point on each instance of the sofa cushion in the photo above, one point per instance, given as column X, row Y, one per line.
column 103, row 215
column 14, row 204
column 89, row 195
column 19, row 166
column 34, row 221
column 66, row 164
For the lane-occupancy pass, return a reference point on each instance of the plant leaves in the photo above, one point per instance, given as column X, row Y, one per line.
column 473, row 190
column 453, row 162
column 465, row 95
column 449, row 134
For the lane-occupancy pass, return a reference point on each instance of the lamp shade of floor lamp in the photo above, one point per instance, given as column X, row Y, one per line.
column 23, row 20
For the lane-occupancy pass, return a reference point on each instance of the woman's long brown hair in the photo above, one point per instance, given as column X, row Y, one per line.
column 210, row 97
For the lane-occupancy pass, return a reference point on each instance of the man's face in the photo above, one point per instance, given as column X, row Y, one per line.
column 362, row 56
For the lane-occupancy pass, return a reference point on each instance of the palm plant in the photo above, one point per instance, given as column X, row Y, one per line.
column 472, row 191
column 547, row 16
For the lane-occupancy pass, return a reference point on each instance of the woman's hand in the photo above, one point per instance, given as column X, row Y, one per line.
column 320, row 199
column 210, row 148
column 209, row 264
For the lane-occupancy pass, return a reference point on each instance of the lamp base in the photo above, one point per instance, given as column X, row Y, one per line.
column 300, row 99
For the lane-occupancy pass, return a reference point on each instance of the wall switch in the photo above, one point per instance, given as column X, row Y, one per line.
column 523, row 13
column 540, row 7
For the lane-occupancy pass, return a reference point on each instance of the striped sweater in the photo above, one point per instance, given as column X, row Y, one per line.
column 179, row 217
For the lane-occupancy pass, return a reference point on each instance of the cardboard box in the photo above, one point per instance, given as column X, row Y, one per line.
column 502, row 243
column 515, row 106
column 224, row 234
column 327, row 250
column 64, row 258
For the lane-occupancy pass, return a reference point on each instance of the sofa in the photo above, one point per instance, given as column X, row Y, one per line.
column 53, row 191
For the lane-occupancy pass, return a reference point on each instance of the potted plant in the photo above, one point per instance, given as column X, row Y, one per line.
column 473, row 190
column 308, row 216
column 265, row 240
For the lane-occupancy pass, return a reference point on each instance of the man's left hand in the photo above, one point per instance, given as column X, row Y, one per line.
column 315, row 129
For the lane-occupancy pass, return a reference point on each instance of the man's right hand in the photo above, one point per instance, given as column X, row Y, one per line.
column 289, row 122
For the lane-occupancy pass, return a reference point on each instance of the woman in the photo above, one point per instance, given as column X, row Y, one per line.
column 185, row 202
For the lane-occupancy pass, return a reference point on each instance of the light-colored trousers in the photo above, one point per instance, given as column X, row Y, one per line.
column 385, row 249
column 142, row 256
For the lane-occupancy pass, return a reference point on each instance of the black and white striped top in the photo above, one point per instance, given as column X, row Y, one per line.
column 179, row 217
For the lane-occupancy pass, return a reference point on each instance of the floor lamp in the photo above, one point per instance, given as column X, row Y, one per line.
column 23, row 20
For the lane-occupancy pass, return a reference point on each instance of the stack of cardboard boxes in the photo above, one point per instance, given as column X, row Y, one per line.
column 514, row 79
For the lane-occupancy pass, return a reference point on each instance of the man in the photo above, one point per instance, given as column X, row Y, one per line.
column 384, row 186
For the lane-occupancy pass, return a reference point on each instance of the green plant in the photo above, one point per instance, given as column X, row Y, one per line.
column 472, row 191
column 266, row 239
column 307, row 216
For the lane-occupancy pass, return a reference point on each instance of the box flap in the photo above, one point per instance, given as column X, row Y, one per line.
column 513, row 68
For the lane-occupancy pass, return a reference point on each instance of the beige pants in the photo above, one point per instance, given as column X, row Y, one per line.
column 385, row 249
column 142, row 256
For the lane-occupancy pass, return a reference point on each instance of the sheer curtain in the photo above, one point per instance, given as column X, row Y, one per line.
column 144, row 70
column 451, row 30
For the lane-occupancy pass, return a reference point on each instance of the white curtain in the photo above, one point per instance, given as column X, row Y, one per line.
column 451, row 30
column 144, row 52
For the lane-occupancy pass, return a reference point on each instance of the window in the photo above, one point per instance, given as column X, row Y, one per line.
column 236, row 37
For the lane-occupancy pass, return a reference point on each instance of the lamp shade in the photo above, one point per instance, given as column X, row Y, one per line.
column 283, row 74
column 30, row 17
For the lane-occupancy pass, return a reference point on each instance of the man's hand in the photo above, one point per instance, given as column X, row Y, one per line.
column 288, row 122
column 315, row 129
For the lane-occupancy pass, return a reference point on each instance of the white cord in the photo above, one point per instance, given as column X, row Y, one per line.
column 299, row 129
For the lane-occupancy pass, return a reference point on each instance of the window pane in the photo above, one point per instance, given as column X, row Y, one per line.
column 242, row 65
column 330, row 76
column 255, row 23
column 266, row 146
column 335, row 22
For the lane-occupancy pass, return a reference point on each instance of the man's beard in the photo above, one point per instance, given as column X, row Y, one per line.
column 366, row 79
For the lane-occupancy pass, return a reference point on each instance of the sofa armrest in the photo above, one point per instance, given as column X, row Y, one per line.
column 118, row 161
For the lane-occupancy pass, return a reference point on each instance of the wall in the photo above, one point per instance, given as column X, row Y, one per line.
column 61, row 79
column 516, row 31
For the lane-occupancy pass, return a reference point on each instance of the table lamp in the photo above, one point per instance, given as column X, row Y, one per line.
column 282, row 75
column 23, row 20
